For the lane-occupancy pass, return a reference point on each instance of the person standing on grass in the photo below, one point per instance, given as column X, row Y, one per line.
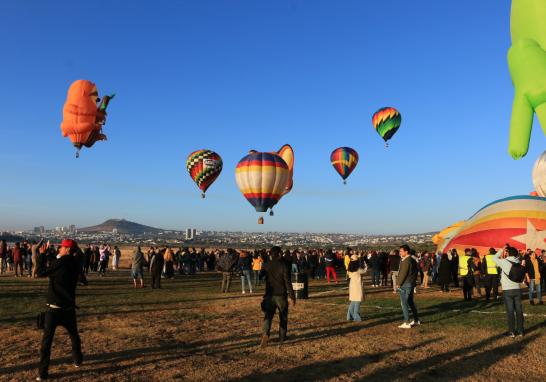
column 257, row 263
column 444, row 273
column 513, row 274
column 17, row 259
column 61, row 303
column 532, row 276
column 115, row 258
column 329, row 262
column 245, row 266
column 407, row 280
column 137, row 267
column 3, row 256
column 278, row 287
column 227, row 264
column 156, row 267
column 356, row 294
column 35, row 250
column 394, row 264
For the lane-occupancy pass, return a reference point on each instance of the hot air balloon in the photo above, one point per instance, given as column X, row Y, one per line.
column 204, row 166
column 519, row 221
column 344, row 160
column 82, row 117
column 262, row 178
column 386, row 122
column 539, row 175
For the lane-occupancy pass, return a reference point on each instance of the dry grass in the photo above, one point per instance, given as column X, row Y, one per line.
column 189, row 331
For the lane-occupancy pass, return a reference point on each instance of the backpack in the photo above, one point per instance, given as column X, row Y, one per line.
column 517, row 272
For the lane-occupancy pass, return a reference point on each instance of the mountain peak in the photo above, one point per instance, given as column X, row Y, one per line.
column 121, row 226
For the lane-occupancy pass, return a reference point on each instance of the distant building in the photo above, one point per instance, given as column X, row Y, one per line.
column 72, row 228
column 190, row 233
column 42, row 230
column 36, row 230
column 115, row 231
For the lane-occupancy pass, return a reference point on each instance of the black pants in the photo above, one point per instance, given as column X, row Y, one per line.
column 455, row 277
column 270, row 305
column 468, row 284
column 54, row 318
column 156, row 279
column 490, row 284
column 444, row 287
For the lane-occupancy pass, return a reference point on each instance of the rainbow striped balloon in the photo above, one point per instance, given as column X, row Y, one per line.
column 519, row 221
column 386, row 121
column 344, row 160
column 262, row 178
column 204, row 166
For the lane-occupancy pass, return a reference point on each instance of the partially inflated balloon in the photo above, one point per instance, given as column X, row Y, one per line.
column 344, row 160
column 539, row 175
column 204, row 166
column 82, row 117
column 262, row 178
column 386, row 121
column 287, row 154
column 519, row 221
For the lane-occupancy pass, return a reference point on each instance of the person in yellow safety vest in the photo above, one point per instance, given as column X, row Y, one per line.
column 490, row 275
column 346, row 261
column 466, row 263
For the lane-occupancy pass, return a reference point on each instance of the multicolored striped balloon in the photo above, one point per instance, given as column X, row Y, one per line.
column 262, row 178
column 386, row 122
column 344, row 160
column 519, row 221
column 204, row 166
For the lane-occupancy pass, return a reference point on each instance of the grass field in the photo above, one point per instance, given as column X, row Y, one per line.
column 190, row 331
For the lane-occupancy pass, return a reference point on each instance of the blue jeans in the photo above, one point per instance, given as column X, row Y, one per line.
column 353, row 313
column 246, row 275
column 532, row 286
column 376, row 277
column 294, row 268
column 514, row 310
column 406, row 300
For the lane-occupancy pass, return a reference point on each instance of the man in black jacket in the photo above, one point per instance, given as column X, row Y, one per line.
column 61, row 303
column 277, row 287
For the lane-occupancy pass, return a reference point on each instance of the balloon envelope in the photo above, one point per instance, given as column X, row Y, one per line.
column 344, row 160
column 386, row 121
column 287, row 154
column 204, row 166
column 539, row 175
column 262, row 178
column 519, row 221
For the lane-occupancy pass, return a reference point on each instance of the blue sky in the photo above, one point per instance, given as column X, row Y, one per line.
column 237, row 75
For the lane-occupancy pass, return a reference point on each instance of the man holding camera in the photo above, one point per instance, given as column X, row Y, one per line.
column 512, row 276
column 61, row 304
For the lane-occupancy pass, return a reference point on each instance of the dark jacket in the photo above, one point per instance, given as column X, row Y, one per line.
column 245, row 263
column 227, row 262
column 444, row 270
column 394, row 263
column 157, row 262
column 407, row 274
column 277, row 279
column 63, row 278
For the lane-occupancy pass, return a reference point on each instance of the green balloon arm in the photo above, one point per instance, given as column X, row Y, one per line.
column 527, row 63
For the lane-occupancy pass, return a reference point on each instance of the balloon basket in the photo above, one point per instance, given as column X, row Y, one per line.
column 271, row 213
column 261, row 220
column 345, row 182
column 386, row 145
column 77, row 153
column 203, row 195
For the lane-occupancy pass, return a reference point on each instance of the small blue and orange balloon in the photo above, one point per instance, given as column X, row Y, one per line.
column 344, row 160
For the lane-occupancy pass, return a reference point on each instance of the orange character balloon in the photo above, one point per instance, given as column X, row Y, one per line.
column 82, row 118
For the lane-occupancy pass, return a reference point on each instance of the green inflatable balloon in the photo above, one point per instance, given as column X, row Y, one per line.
column 527, row 63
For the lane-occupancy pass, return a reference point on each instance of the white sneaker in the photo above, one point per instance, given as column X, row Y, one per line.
column 405, row 325
column 413, row 323
column 244, row 292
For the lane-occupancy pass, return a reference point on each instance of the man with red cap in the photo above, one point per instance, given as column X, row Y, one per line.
column 61, row 304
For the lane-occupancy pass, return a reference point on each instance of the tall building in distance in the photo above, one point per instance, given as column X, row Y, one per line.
column 36, row 230
column 190, row 233
column 42, row 230
column 72, row 228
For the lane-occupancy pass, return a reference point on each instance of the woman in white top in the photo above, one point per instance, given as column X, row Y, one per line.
column 355, row 272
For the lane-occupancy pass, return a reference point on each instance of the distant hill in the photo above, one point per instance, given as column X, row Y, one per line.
column 122, row 225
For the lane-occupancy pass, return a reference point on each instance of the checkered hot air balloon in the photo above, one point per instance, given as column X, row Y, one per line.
column 262, row 178
column 344, row 160
column 204, row 166
column 386, row 122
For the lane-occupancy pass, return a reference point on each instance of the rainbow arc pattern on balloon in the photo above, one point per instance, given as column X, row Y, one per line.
column 519, row 221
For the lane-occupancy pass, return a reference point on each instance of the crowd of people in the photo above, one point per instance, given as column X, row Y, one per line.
column 67, row 265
